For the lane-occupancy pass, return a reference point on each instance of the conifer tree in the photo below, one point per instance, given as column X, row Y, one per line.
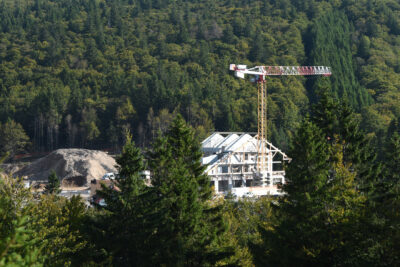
column 338, row 121
column 186, row 223
column 306, row 178
column 122, row 222
column 53, row 185
column 386, row 202
column 321, row 209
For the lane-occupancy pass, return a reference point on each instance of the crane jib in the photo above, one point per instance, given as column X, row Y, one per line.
column 296, row 70
column 242, row 70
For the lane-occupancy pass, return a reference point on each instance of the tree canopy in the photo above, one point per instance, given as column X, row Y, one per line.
column 82, row 73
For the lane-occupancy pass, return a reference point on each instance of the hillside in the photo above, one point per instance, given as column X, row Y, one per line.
column 80, row 73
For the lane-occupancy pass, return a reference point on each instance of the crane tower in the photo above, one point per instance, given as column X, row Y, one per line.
column 258, row 73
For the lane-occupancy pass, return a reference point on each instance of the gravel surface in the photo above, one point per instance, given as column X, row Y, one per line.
column 75, row 167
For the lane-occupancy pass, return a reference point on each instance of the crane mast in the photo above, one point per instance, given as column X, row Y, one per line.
column 258, row 73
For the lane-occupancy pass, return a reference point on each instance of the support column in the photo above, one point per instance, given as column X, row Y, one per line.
column 270, row 161
column 216, row 186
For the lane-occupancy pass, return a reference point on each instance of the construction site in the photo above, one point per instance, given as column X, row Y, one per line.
column 231, row 160
column 240, row 163
column 247, row 164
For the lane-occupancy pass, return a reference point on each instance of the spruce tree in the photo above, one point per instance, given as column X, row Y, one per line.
column 306, row 178
column 123, row 220
column 321, row 209
column 53, row 184
column 386, row 202
column 186, row 225
column 338, row 121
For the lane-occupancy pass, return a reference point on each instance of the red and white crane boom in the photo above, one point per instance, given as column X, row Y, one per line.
column 262, row 71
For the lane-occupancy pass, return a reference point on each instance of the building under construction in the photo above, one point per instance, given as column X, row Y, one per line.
column 244, row 163
column 232, row 159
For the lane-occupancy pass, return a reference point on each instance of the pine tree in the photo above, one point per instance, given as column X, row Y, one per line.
column 385, row 203
column 337, row 120
column 321, row 210
column 186, row 223
column 124, row 220
column 53, row 184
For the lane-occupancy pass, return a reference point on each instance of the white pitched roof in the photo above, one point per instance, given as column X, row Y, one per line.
column 209, row 160
column 227, row 141
column 210, row 143
column 239, row 143
column 212, row 140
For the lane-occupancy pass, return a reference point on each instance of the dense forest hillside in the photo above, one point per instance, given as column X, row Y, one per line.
column 80, row 73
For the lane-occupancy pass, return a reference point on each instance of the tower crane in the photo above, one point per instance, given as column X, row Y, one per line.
column 258, row 73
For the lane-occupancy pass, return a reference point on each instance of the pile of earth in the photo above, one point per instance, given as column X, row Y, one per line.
column 74, row 167
column 10, row 168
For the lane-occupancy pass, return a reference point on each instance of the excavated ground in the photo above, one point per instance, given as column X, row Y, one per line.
column 74, row 167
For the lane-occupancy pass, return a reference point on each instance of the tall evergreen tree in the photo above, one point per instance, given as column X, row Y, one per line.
column 53, row 184
column 187, row 226
column 306, row 178
column 338, row 121
column 321, row 209
column 386, row 202
column 122, row 221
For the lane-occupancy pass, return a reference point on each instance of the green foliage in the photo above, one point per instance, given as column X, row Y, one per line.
column 68, row 69
column 45, row 231
column 53, row 184
column 13, row 138
column 83, row 73
column 18, row 248
column 142, row 225
column 121, row 229
column 244, row 218
column 185, row 220
column 331, row 46
column 337, row 120
column 384, row 203
column 19, row 245
column 57, row 222
column 322, row 210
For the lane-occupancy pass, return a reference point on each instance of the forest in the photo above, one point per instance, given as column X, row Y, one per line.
column 150, row 79
column 340, row 207
column 82, row 73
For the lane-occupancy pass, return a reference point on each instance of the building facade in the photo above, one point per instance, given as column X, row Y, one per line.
column 231, row 159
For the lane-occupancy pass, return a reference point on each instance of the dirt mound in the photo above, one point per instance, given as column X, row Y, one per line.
column 75, row 167
column 10, row 168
